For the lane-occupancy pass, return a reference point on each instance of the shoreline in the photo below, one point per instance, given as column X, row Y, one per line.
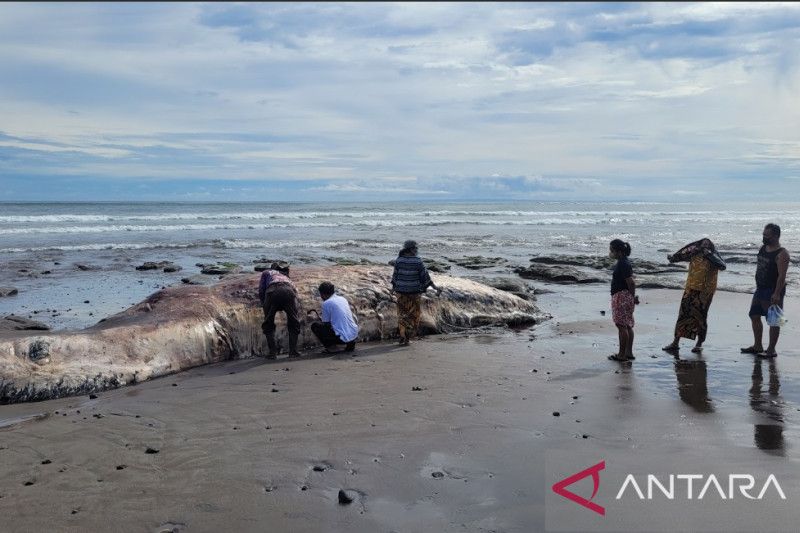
column 234, row 455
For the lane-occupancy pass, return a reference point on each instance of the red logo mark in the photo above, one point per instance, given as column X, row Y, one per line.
column 594, row 471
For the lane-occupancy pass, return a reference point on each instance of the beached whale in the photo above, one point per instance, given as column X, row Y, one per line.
column 182, row 327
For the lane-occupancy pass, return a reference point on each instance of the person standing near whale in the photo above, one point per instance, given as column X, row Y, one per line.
column 773, row 263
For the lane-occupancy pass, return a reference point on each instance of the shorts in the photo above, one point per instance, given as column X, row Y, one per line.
column 762, row 299
column 622, row 306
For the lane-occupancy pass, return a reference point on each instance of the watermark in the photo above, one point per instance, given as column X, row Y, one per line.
column 610, row 495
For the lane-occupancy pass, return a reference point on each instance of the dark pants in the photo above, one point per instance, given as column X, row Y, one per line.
column 325, row 334
column 281, row 297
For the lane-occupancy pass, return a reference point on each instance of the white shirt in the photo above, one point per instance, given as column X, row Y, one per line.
column 336, row 310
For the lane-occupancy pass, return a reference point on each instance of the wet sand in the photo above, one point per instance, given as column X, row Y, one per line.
column 455, row 433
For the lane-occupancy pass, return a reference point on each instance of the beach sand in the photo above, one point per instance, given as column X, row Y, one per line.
column 455, row 433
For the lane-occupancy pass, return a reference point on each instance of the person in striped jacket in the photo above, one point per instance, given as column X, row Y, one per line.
column 410, row 280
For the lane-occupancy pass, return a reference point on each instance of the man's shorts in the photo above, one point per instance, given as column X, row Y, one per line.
column 762, row 300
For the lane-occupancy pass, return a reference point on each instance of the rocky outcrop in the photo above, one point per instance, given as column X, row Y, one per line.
column 558, row 274
column 186, row 326
column 18, row 323
column 8, row 291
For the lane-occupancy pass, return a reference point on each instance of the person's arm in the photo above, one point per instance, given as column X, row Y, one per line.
column 783, row 267
column 394, row 277
column 326, row 312
column 631, row 283
column 425, row 278
column 262, row 286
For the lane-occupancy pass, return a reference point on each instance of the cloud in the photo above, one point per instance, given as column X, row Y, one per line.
column 340, row 98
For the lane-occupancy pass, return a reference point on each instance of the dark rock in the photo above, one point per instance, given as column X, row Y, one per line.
column 150, row 265
column 198, row 279
column 28, row 483
column 86, row 301
column 344, row 498
column 221, row 269
column 275, row 390
column 93, row 396
column 437, row 475
column 556, row 413
column 121, row 467
column 38, row 349
column 477, row 262
column 8, row 291
column 557, row 274
column 320, row 468
column 173, row 268
column 416, row 388
column 18, row 323
column 151, row 450
column 47, row 462
column 85, row 267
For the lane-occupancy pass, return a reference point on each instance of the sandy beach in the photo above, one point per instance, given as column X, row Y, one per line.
column 456, row 433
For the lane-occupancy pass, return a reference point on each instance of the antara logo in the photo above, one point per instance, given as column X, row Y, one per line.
column 594, row 471
column 744, row 482
column 737, row 484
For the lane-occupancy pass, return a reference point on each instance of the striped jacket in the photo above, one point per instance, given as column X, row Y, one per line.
column 410, row 275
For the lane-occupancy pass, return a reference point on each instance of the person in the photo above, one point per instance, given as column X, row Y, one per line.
column 410, row 280
column 277, row 293
column 773, row 263
column 338, row 324
column 701, row 284
column 623, row 299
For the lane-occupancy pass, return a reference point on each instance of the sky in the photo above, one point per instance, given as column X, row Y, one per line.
column 399, row 101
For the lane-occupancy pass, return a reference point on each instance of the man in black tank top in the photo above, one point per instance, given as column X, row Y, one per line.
column 773, row 262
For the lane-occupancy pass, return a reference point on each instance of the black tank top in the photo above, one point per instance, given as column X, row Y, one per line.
column 767, row 268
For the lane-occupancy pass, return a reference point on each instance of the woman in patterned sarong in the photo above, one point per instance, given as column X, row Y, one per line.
column 701, row 283
column 410, row 280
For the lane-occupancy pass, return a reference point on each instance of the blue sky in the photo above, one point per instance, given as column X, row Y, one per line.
column 374, row 101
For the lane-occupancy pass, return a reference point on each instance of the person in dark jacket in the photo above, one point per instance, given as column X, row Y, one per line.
column 277, row 293
column 410, row 280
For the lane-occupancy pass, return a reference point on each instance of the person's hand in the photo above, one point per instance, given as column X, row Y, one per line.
column 776, row 299
column 636, row 300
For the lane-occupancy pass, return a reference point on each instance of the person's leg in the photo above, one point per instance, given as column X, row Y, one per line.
column 774, row 332
column 416, row 314
column 268, row 327
column 325, row 334
column 629, row 350
column 622, row 332
column 291, row 306
column 402, row 318
column 758, row 332
column 673, row 346
column 758, row 308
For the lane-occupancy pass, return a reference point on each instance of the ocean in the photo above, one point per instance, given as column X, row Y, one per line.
column 42, row 244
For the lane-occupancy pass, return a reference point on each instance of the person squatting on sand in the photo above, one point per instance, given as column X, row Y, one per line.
column 338, row 324
column 701, row 284
column 773, row 263
column 623, row 299
column 277, row 293
column 409, row 280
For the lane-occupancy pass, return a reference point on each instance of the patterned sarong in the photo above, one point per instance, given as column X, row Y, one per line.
column 693, row 315
column 622, row 306
column 408, row 314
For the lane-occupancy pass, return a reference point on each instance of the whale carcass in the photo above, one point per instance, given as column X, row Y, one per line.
column 182, row 327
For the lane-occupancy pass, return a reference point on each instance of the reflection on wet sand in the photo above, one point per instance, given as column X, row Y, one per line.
column 692, row 384
column 768, row 437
